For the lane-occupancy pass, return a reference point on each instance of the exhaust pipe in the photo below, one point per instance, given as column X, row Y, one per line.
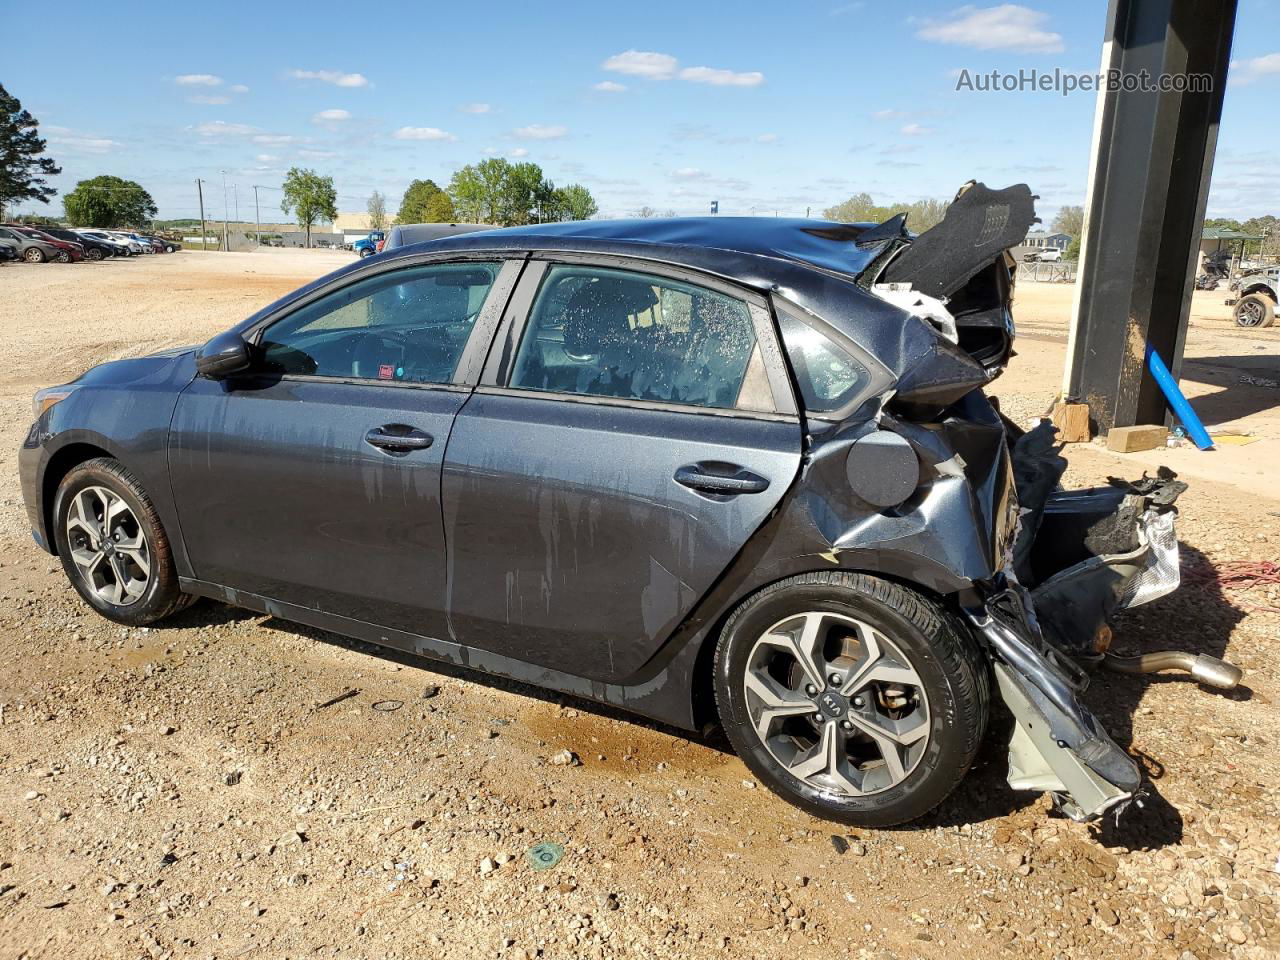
column 1203, row 668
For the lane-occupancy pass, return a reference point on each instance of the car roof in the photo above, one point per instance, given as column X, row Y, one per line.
column 824, row 244
column 403, row 234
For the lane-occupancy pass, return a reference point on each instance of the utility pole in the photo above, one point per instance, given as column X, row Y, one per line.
column 235, row 193
column 257, row 219
column 226, row 246
column 200, row 194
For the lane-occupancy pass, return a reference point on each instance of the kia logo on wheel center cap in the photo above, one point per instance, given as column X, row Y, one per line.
column 833, row 705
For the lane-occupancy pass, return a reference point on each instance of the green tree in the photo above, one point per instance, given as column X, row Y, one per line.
column 22, row 168
column 311, row 197
column 108, row 202
column 1070, row 220
column 416, row 204
column 575, row 202
column 439, row 209
column 1073, row 250
column 860, row 208
column 481, row 193
column 377, row 208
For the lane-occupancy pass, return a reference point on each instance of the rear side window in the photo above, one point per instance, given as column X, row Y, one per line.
column 410, row 325
column 615, row 333
column 827, row 375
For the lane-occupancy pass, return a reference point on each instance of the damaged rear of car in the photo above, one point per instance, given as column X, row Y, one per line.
column 951, row 496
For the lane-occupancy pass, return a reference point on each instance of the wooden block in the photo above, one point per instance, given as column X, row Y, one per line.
column 1072, row 421
column 1145, row 436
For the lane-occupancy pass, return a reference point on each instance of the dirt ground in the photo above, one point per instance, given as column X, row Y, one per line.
column 194, row 790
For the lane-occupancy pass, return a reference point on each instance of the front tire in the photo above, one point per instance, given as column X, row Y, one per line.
column 112, row 545
column 851, row 697
column 365, row 252
column 94, row 254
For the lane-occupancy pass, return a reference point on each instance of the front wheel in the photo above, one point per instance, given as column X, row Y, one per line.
column 112, row 545
column 851, row 697
column 365, row 252
column 94, row 254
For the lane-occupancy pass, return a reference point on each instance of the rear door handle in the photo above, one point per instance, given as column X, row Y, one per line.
column 697, row 477
column 398, row 437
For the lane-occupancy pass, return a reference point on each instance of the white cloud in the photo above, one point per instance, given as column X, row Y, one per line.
column 890, row 114
column 335, row 77
column 915, row 130
column 198, row 80
column 609, row 86
column 476, row 108
column 1247, row 71
column 1005, row 27
column 273, row 139
column 209, row 101
column 239, row 88
column 767, row 138
column 642, row 63
column 220, row 128
column 331, row 116
column 267, row 158
column 538, row 131
column 688, row 173
column 313, row 154
column 73, row 141
column 721, row 78
column 423, row 133
column 518, row 152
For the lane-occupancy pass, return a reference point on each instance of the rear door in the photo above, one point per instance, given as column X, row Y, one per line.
column 314, row 479
column 633, row 428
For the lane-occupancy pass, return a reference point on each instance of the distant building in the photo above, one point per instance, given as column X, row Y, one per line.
column 1039, row 240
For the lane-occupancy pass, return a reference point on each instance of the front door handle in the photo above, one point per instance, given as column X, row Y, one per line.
column 726, row 480
column 398, row 438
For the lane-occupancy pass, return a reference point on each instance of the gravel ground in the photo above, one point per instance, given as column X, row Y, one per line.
column 199, row 790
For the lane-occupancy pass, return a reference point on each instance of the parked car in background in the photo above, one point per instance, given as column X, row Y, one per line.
column 30, row 249
column 404, row 234
column 8, row 251
column 93, row 249
column 164, row 244
column 118, row 246
column 368, row 246
column 734, row 470
column 1047, row 255
column 69, row 251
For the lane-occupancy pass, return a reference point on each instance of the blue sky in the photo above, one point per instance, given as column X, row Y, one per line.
column 762, row 107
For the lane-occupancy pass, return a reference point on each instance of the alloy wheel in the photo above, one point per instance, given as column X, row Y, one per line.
column 836, row 703
column 1250, row 314
column 108, row 547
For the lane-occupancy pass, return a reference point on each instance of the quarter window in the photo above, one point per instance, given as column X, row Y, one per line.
column 827, row 375
column 409, row 326
column 614, row 333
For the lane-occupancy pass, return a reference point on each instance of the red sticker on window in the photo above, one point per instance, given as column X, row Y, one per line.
column 387, row 371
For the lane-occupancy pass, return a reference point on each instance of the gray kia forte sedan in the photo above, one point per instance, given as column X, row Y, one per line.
column 724, row 470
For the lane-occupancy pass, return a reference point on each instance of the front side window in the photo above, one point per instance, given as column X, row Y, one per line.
column 614, row 333
column 409, row 326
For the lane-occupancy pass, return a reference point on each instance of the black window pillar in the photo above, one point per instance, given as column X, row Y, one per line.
column 1152, row 159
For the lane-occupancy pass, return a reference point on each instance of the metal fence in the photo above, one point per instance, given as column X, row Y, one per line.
column 1064, row 271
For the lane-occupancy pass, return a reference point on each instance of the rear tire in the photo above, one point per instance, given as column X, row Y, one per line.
column 34, row 255
column 1255, row 310
column 889, row 719
column 112, row 545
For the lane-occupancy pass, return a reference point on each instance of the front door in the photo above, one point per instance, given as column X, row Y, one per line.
column 613, row 466
column 315, row 479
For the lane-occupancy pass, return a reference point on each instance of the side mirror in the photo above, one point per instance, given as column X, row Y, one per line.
column 225, row 354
